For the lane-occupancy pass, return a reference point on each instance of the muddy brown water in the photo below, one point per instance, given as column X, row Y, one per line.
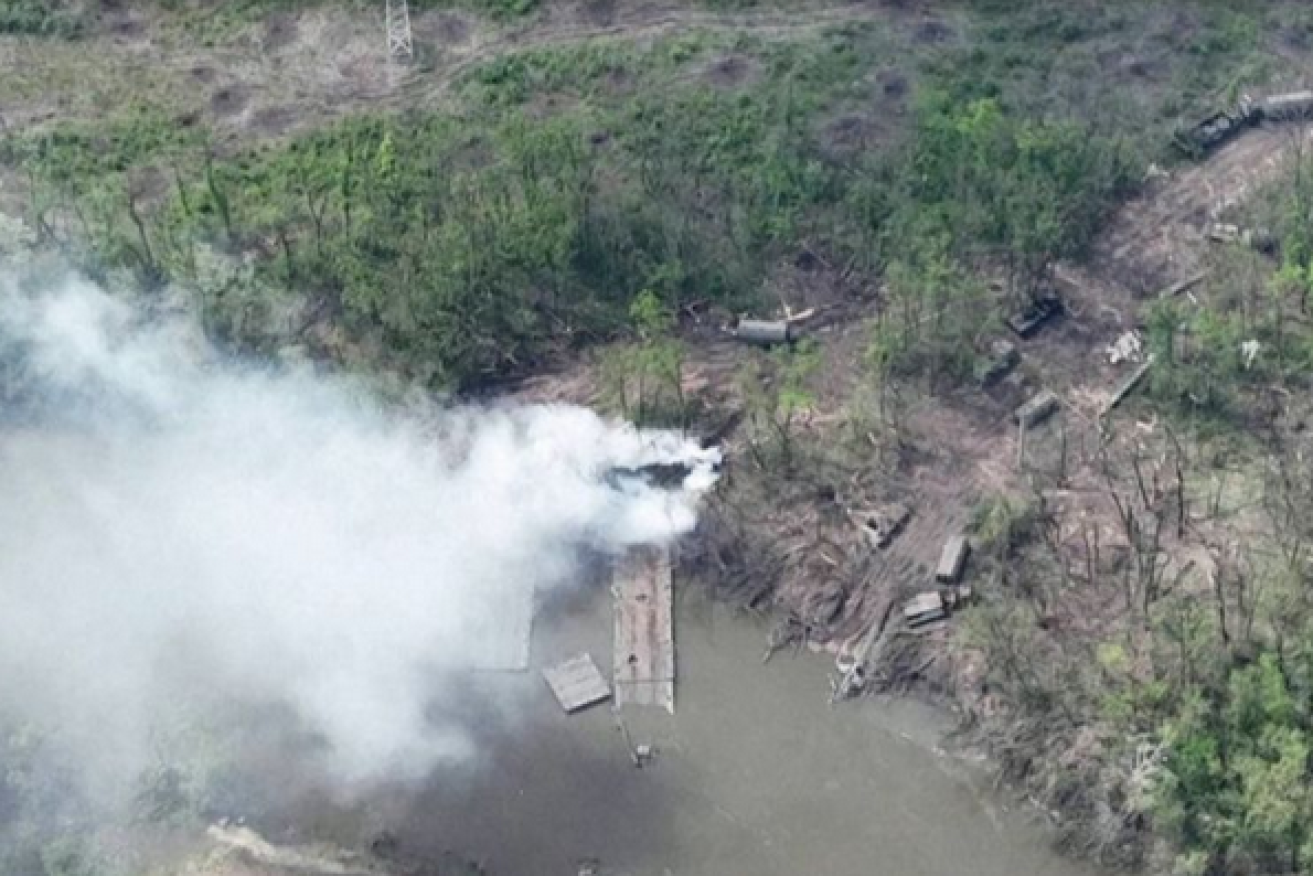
column 755, row 774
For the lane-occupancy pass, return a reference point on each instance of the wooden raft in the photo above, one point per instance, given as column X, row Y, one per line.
column 644, row 648
column 577, row 683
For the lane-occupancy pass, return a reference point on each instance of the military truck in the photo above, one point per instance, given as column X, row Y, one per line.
column 1296, row 106
column 1215, row 130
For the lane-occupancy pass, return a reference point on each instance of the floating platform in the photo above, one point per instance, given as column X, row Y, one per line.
column 644, row 648
column 577, row 683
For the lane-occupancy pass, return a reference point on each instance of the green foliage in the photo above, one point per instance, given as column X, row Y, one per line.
column 40, row 18
column 568, row 180
column 645, row 379
column 1199, row 363
column 934, row 318
column 74, row 153
column 215, row 21
column 1002, row 522
column 776, row 392
column 1136, row 65
column 1237, row 786
column 495, row 8
column 986, row 184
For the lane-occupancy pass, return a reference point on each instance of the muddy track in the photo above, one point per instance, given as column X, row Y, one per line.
column 1157, row 238
column 423, row 88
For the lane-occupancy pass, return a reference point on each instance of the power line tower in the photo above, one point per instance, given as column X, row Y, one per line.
column 400, row 45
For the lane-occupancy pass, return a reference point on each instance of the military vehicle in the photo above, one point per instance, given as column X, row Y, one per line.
column 1032, row 319
column 1215, row 130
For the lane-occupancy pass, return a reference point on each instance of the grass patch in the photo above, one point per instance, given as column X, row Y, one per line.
column 567, row 180
column 41, row 18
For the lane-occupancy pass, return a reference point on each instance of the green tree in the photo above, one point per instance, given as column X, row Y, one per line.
column 774, row 399
column 646, row 378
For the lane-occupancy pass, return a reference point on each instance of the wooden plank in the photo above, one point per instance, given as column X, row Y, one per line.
column 1184, row 285
column 1127, row 386
column 577, row 683
column 644, row 648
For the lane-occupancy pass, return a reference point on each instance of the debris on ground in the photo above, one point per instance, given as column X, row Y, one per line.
column 1002, row 358
column 789, row 631
column 1249, row 350
column 958, row 596
column 1129, row 347
column 824, row 604
column 882, row 524
column 1259, row 239
column 577, row 683
column 1183, row 285
column 854, row 664
column 310, row 860
column 640, row 754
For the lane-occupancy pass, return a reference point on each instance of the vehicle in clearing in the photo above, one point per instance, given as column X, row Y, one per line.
column 1294, row 107
column 1029, row 321
column 924, row 610
column 1002, row 358
column 953, row 560
column 880, row 525
column 1038, row 409
column 1207, row 135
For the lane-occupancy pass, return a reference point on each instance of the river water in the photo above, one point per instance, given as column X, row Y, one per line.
column 755, row 775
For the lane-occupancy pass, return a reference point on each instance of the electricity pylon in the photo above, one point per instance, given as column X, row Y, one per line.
column 400, row 44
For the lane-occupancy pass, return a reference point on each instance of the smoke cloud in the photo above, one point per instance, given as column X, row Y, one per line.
column 169, row 517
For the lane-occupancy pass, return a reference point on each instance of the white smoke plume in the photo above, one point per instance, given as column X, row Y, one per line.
column 164, row 512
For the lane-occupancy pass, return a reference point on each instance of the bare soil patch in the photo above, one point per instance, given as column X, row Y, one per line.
column 229, row 100
column 445, row 28
column 280, row 31
column 859, row 129
column 273, row 121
